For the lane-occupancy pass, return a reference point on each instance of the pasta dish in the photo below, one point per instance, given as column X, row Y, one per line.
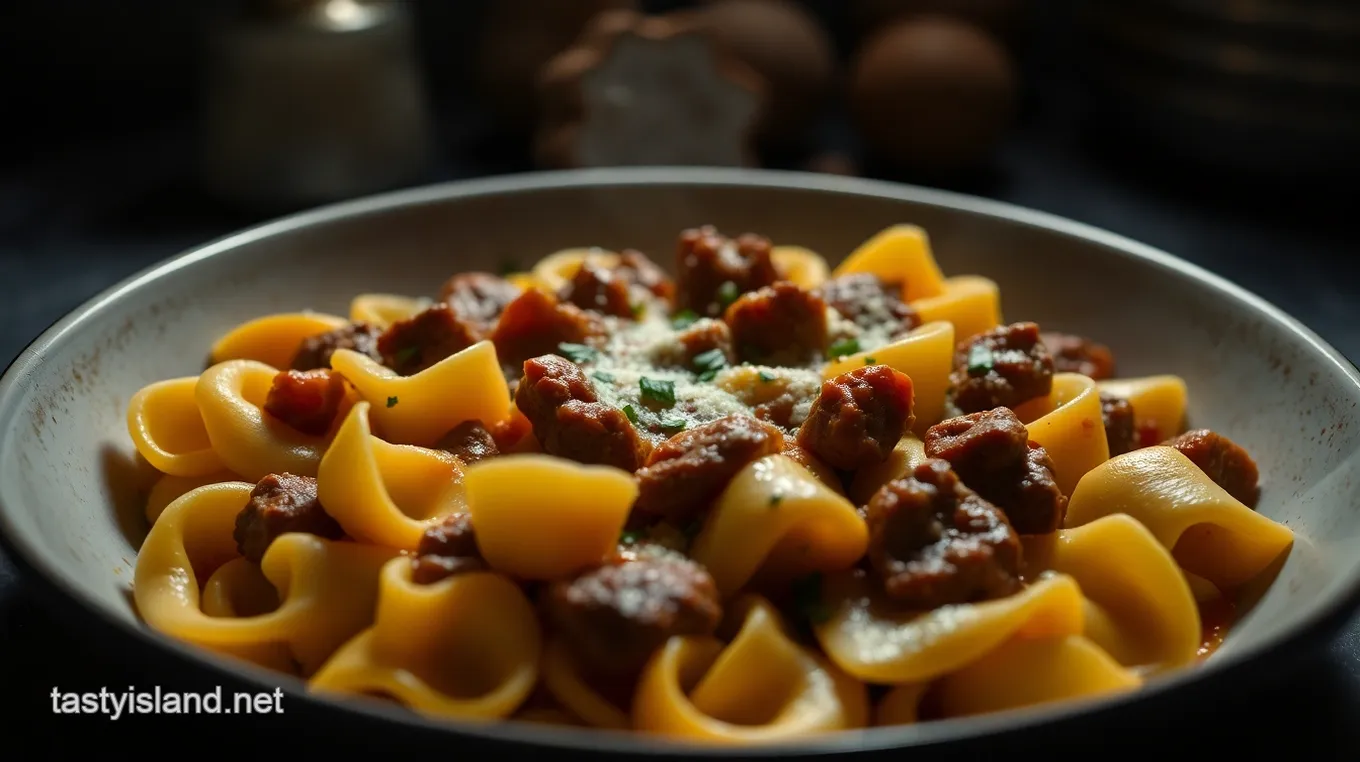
column 744, row 499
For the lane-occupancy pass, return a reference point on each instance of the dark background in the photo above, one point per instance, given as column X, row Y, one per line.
column 97, row 181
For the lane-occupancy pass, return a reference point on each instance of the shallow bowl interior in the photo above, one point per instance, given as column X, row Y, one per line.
column 71, row 486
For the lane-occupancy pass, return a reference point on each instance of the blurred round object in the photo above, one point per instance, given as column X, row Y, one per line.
column 786, row 46
column 517, row 38
column 932, row 93
column 833, row 163
column 998, row 16
column 635, row 89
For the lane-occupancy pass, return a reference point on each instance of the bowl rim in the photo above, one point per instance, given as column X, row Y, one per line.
column 1323, row 613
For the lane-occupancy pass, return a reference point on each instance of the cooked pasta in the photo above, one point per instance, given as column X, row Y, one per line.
column 748, row 500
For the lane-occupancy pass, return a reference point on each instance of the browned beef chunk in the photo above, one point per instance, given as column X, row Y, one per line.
column 858, row 417
column 991, row 452
column 1224, row 461
column 934, row 542
column 615, row 616
column 412, row 345
column 306, row 400
column 1002, row 367
column 568, row 419
column 686, row 473
column 715, row 270
column 281, row 504
column 315, row 351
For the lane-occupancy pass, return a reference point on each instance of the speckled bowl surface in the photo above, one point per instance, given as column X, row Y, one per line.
column 71, row 486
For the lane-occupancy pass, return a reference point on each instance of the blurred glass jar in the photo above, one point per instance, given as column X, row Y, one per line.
column 312, row 101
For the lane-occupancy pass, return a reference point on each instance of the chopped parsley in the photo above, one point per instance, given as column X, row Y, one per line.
column 405, row 355
column 602, row 377
column 391, row 401
column 630, row 536
column 869, row 361
column 728, row 293
column 660, row 392
column 684, row 319
column 709, row 363
column 776, row 499
column 637, row 309
column 842, row 348
column 577, row 353
column 766, row 376
column 630, row 414
column 980, row 360
column 673, row 425
column 807, row 597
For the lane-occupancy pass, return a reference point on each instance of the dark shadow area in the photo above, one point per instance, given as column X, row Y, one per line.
column 129, row 479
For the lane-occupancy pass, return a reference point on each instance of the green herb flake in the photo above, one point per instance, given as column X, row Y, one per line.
column 728, row 293
column 673, row 425
column 405, row 355
column 391, row 401
column 767, row 376
column 708, row 375
column 508, row 268
column 577, row 353
column 684, row 319
column 842, row 348
column 660, row 392
column 602, row 377
column 630, row 414
column 637, row 309
column 980, row 360
column 807, row 597
column 630, row 536
column 776, row 499
column 713, row 359
column 870, row 361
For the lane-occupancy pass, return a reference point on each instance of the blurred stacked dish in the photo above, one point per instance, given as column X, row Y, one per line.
column 1266, row 85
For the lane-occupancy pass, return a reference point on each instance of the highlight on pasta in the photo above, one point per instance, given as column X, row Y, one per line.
column 743, row 500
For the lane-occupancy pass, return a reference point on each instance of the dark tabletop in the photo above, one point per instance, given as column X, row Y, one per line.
column 75, row 222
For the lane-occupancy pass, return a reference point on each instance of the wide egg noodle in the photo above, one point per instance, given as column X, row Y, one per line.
column 803, row 267
column 1019, row 673
column 239, row 589
column 382, row 310
column 231, row 397
column 926, row 355
column 540, row 517
column 1140, row 608
column 572, row 688
column 777, row 519
column 383, row 493
column 1070, row 426
column 761, row 686
column 169, row 488
column 466, row 646
column 909, row 453
column 1159, row 402
column 900, row 254
column 419, row 409
column 1210, row 533
column 168, row 430
column 273, row 339
column 327, row 589
column 971, row 303
column 557, row 269
column 870, row 638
